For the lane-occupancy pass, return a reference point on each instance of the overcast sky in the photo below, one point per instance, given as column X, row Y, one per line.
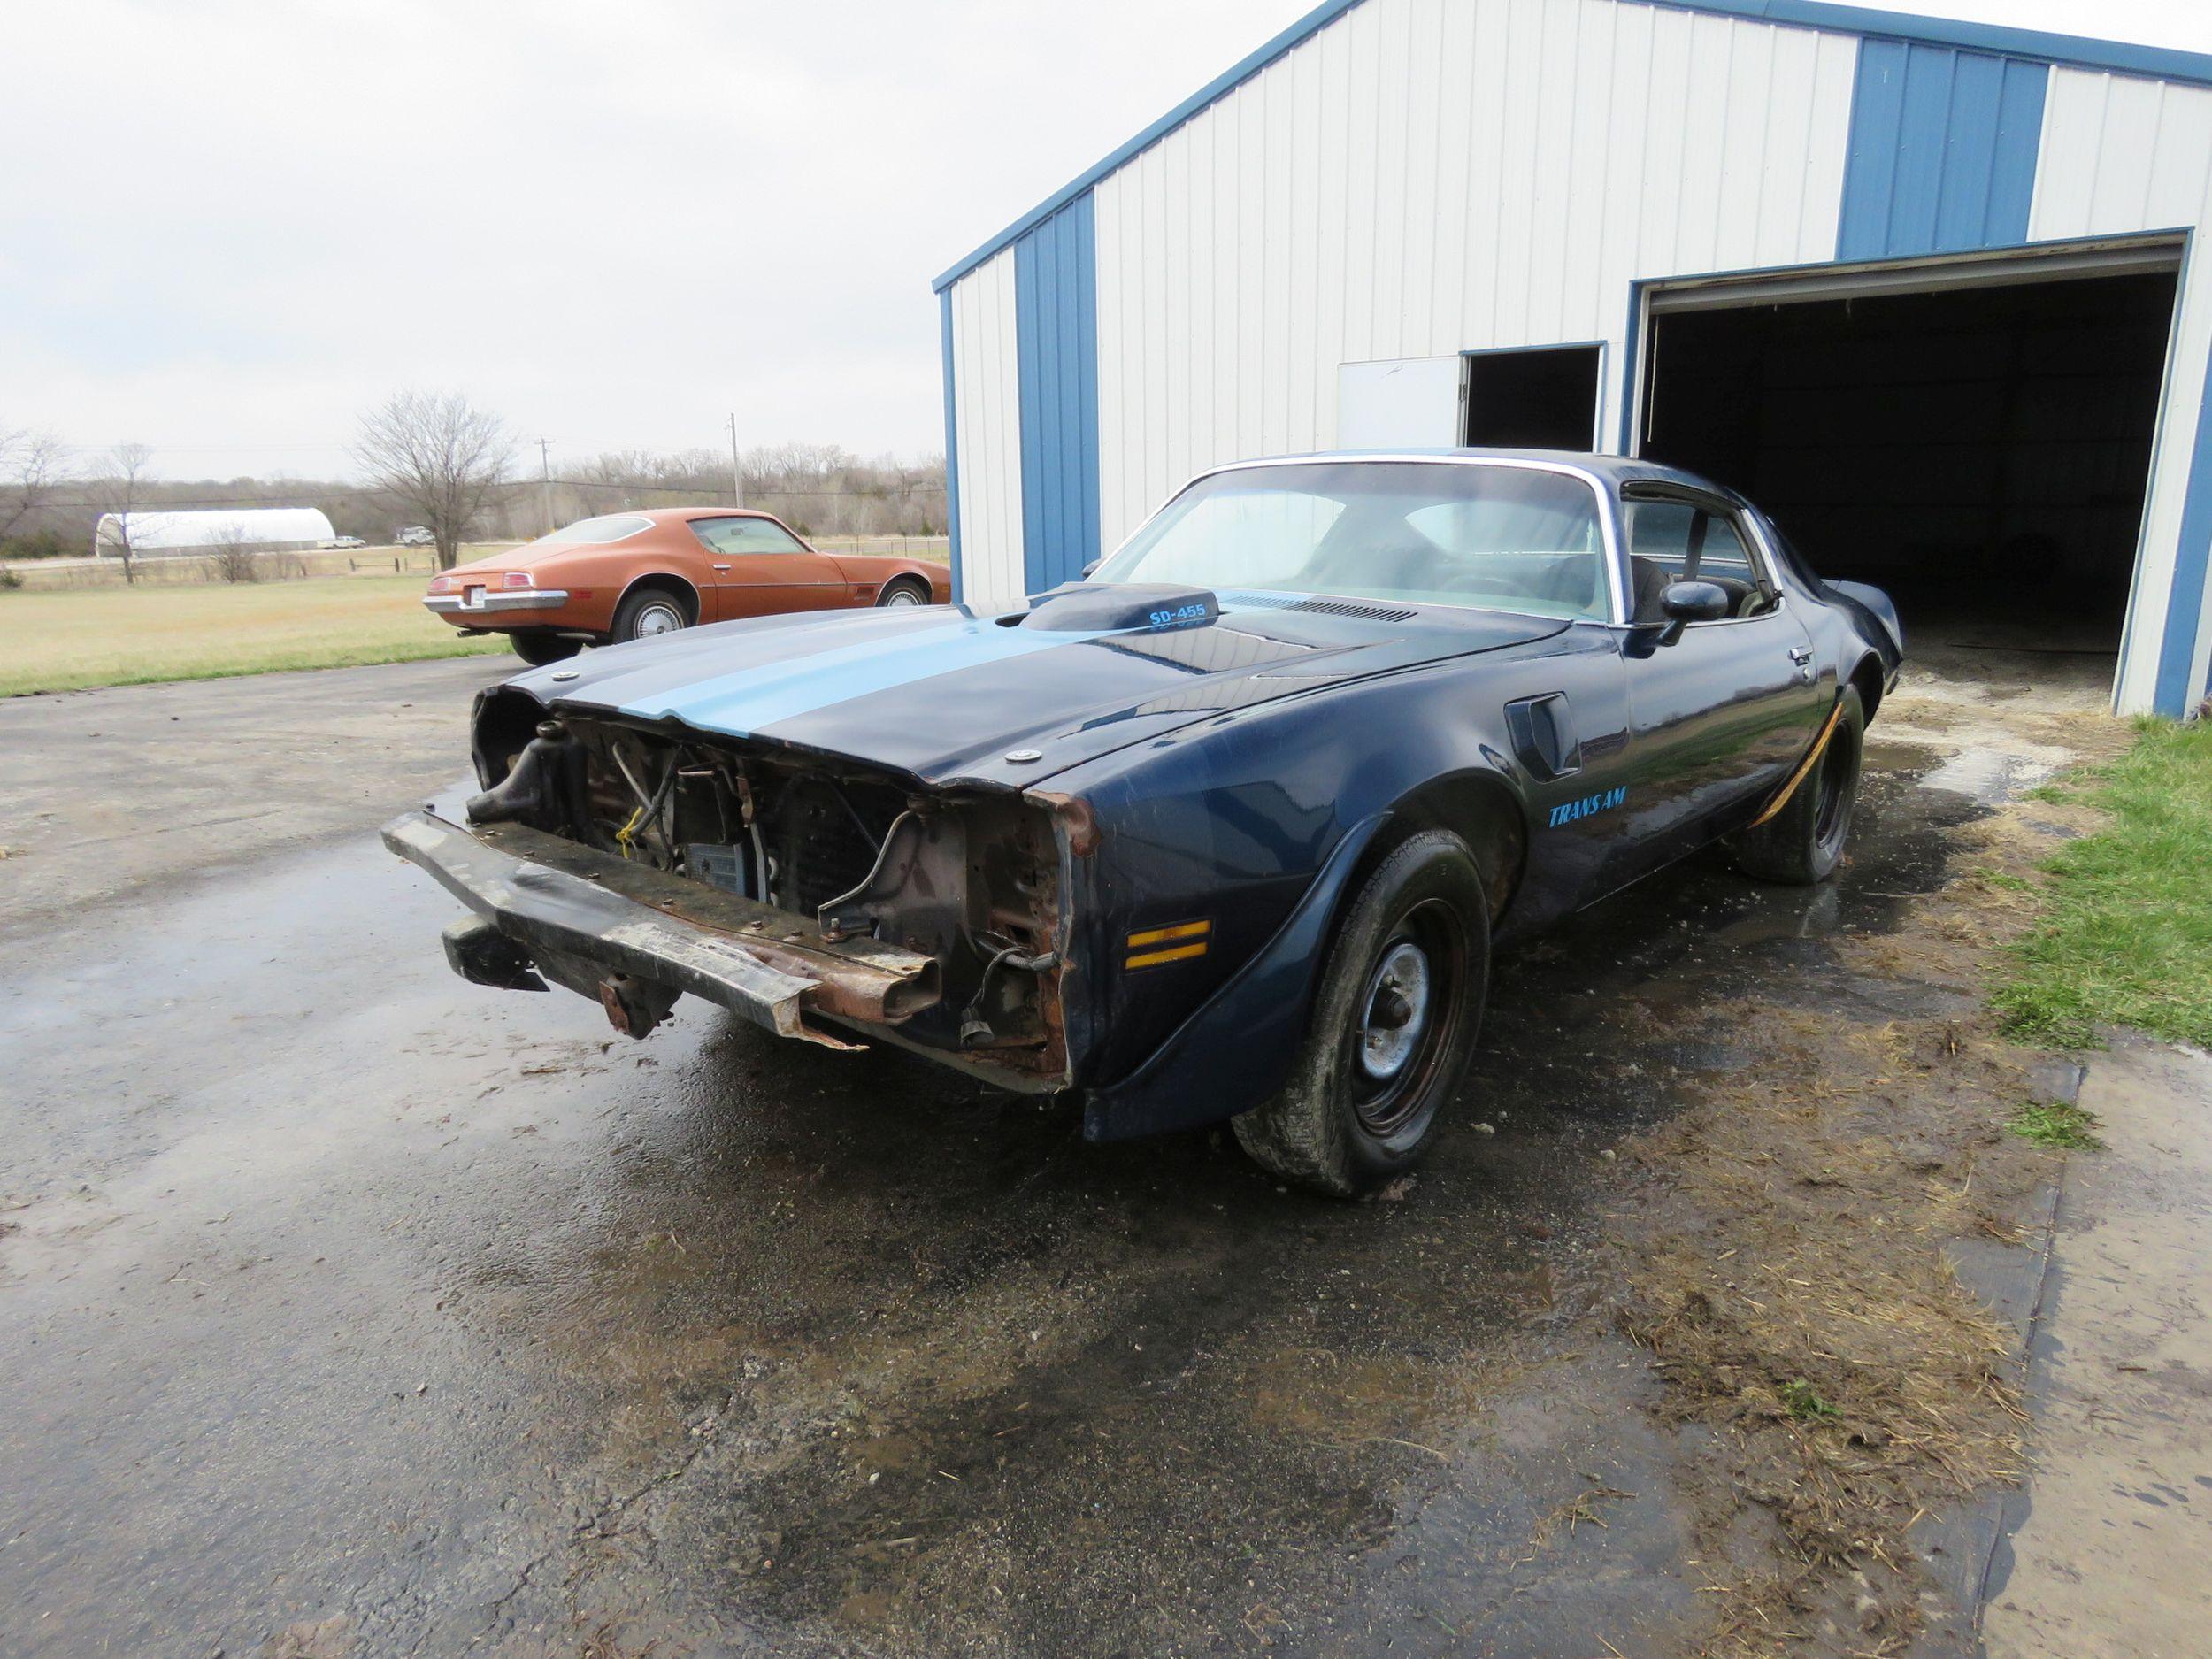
column 228, row 228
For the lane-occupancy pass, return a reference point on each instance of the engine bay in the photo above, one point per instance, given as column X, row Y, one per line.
column 972, row 881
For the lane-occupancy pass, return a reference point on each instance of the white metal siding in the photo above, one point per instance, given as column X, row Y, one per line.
column 986, row 427
column 1424, row 177
column 2121, row 154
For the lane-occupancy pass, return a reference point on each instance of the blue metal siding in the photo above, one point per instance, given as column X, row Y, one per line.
column 952, row 442
column 1942, row 151
column 2174, row 694
column 1056, row 332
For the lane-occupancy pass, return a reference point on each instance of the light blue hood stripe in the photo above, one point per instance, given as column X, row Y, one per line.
column 747, row 702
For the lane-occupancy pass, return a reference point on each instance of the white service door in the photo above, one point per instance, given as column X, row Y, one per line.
column 1404, row 403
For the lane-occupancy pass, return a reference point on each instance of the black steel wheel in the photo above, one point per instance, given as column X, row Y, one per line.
column 1405, row 1025
column 1394, row 1023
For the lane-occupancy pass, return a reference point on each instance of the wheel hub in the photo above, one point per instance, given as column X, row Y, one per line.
column 657, row 619
column 1397, row 1012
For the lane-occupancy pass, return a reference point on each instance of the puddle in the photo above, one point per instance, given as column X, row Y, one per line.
column 1988, row 776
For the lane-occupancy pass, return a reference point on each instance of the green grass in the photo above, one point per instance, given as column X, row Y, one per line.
column 2126, row 937
column 68, row 638
column 1802, row 1402
column 2058, row 1124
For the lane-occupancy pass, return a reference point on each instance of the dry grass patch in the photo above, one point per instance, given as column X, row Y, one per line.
column 1811, row 1322
column 1794, row 1276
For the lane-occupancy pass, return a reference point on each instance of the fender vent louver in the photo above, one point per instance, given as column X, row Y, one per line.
column 1345, row 608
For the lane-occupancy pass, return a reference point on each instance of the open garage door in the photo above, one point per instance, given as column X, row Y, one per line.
column 1976, row 438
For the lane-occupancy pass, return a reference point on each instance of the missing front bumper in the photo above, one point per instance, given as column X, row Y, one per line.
column 563, row 904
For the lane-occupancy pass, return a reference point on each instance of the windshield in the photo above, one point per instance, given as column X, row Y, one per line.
column 1500, row 537
column 594, row 532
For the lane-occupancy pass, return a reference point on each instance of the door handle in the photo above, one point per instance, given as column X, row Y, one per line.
column 1801, row 654
column 721, row 568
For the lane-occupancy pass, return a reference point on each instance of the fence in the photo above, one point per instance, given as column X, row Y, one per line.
column 935, row 548
column 173, row 569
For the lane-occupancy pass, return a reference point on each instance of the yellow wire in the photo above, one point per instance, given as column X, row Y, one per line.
column 622, row 836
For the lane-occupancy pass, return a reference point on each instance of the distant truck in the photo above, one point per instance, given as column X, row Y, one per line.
column 415, row 535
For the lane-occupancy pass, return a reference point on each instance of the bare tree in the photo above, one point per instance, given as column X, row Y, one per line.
column 441, row 458
column 236, row 560
column 33, row 466
column 119, row 491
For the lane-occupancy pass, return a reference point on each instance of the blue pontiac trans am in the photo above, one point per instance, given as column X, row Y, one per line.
column 1227, row 829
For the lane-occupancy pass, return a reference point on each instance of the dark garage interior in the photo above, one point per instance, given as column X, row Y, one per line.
column 1980, row 452
column 1543, row 399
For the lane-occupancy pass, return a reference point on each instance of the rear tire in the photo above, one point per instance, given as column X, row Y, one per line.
column 1393, row 1023
column 903, row 590
column 647, row 612
column 537, row 647
column 1803, row 844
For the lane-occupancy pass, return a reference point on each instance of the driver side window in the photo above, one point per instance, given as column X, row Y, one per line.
column 1677, row 540
column 745, row 535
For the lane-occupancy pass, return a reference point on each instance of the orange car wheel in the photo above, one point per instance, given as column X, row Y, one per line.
column 903, row 591
column 650, row 611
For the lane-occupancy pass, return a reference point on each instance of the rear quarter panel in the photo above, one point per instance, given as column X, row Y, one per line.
column 595, row 580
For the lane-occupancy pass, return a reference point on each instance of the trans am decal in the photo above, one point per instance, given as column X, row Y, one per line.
column 1568, row 811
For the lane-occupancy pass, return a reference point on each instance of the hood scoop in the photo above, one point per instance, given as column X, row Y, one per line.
column 1114, row 606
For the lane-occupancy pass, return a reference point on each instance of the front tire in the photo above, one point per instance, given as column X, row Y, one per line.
column 648, row 611
column 538, row 647
column 1803, row 844
column 1394, row 1025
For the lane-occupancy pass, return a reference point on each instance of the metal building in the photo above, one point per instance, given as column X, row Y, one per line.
column 200, row 530
column 1930, row 291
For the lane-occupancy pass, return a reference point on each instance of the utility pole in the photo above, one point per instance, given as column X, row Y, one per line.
column 737, row 474
column 545, row 482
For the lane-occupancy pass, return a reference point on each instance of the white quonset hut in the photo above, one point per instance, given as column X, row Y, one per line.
column 262, row 529
column 1932, row 292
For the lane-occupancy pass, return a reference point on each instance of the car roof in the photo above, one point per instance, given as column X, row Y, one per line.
column 680, row 515
column 1613, row 469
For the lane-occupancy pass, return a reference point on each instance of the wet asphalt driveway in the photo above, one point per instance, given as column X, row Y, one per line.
column 346, row 1309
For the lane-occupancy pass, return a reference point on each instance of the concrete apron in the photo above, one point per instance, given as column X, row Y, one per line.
column 2113, row 1551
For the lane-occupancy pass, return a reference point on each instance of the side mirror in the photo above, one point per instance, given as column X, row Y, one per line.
column 1694, row 601
column 1683, row 602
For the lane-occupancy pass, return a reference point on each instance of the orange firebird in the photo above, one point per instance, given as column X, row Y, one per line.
column 625, row 575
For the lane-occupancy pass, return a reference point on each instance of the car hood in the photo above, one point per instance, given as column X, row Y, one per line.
column 944, row 695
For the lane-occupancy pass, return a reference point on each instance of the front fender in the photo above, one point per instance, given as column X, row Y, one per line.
column 1236, row 1048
